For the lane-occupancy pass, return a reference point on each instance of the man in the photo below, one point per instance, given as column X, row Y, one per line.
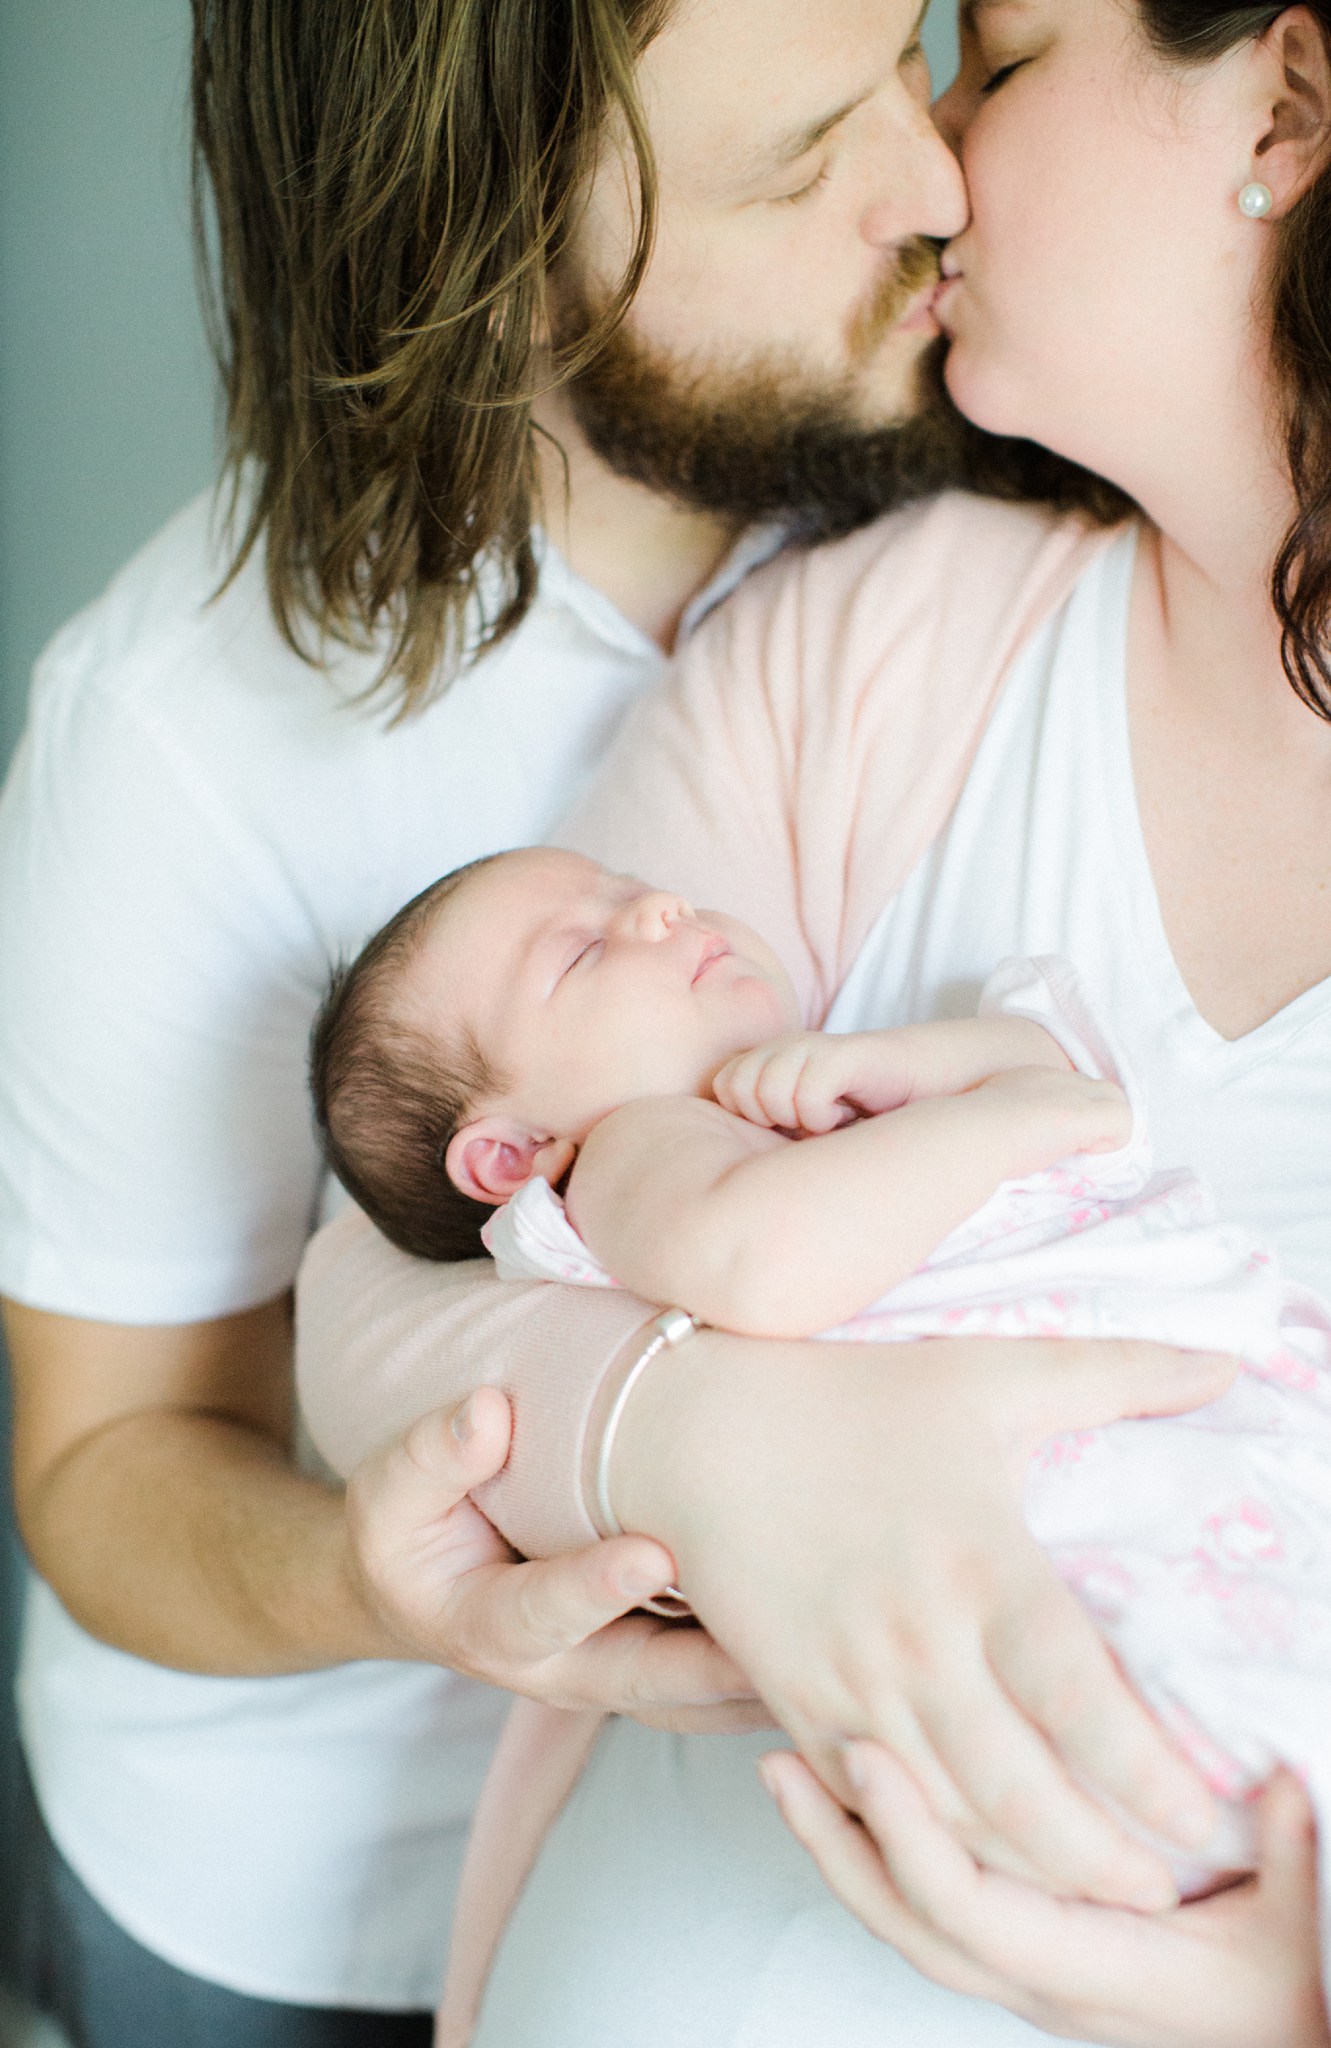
column 427, row 218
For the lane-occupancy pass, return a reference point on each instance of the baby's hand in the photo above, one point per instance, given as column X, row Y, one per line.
column 807, row 1082
column 1051, row 1115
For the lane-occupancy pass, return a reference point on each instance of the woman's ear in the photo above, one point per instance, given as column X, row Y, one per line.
column 1297, row 138
column 492, row 1158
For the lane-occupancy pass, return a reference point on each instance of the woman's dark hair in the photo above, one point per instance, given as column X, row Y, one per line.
column 1194, row 31
column 381, row 188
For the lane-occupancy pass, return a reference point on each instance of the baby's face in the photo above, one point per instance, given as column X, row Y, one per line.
column 587, row 990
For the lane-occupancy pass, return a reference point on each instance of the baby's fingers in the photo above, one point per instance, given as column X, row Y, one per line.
column 760, row 1085
column 790, row 1084
column 736, row 1087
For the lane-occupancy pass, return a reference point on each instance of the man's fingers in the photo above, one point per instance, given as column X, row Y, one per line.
column 533, row 1612
column 730, row 1717
column 638, row 1665
column 684, row 1666
column 414, row 1533
column 649, row 1669
column 427, row 1472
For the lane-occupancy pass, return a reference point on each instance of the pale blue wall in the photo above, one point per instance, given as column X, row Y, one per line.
column 105, row 392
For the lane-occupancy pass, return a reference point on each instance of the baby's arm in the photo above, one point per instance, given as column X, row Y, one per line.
column 687, row 1203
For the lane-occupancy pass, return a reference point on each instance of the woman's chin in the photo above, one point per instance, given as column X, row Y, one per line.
column 979, row 392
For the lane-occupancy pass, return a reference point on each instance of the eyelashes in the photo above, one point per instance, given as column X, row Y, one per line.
column 592, row 946
column 996, row 78
column 805, row 191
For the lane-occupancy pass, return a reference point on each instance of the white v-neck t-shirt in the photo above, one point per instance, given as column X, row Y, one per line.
column 692, row 1913
column 196, row 825
column 1045, row 854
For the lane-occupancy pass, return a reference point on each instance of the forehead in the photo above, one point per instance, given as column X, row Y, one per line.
column 484, row 928
column 729, row 85
column 520, row 886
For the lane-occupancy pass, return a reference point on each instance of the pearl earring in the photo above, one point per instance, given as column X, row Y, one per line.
column 1256, row 201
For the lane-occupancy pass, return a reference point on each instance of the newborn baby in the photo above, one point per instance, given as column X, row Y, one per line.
column 534, row 1023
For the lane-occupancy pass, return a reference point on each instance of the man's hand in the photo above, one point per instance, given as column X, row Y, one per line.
column 445, row 1588
column 1238, row 1970
column 849, row 1526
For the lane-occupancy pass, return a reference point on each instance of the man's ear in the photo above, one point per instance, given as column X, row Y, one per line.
column 493, row 1157
column 1297, row 138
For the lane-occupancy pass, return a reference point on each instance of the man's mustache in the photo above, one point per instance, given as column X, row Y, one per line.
column 915, row 266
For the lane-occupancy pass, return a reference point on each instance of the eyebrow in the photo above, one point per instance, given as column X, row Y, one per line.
column 797, row 142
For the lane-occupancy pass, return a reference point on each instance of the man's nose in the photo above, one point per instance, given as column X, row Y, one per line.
column 922, row 191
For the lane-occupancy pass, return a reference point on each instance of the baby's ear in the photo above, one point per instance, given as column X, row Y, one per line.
column 492, row 1158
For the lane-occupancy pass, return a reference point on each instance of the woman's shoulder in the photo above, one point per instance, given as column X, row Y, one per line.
column 952, row 586
column 929, row 552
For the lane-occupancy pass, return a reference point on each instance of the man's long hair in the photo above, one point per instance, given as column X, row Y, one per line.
column 381, row 188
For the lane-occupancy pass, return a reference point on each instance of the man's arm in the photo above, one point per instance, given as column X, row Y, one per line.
column 156, row 1497
column 174, row 1437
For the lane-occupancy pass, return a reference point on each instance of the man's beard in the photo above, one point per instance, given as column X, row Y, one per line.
column 764, row 441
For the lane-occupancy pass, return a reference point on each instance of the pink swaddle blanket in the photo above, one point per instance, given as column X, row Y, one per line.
column 1200, row 1544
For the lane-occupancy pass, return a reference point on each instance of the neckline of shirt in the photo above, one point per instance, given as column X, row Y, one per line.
column 1203, row 1046
column 560, row 583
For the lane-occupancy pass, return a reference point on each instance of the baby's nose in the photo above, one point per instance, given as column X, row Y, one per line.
column 655, row 915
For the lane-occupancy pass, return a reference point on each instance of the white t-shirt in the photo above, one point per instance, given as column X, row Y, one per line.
column 1044, row 854
column 196, row 825
column 697, row 1917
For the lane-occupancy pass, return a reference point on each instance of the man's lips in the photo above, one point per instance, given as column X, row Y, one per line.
column 941, row 296
column 714, row 948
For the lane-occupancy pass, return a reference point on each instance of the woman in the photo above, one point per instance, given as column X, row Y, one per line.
column 1138, row 288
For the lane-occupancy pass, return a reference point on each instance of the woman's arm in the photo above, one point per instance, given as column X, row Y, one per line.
column 686, row 1203
column 850, row 1528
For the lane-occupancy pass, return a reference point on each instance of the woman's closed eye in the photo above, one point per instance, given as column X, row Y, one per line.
column 999, row 75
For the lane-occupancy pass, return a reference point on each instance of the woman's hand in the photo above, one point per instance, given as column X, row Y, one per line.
column 443, row 1587
column 846, row 1520
column 1238, row 1970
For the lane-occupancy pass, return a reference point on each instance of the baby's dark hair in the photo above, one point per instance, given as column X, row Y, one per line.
column 388, row 1098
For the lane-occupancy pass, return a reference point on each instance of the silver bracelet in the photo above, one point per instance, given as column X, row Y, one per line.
column 668, row 1329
